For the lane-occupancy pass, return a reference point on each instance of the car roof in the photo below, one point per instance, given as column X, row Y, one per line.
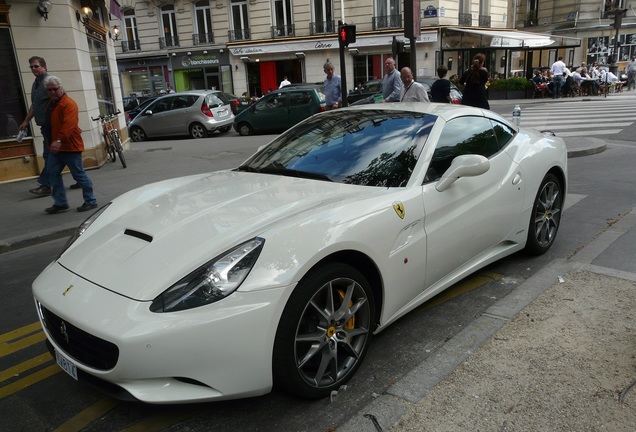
column 445, row 111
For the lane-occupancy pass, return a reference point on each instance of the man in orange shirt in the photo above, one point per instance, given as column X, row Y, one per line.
column 66, row 148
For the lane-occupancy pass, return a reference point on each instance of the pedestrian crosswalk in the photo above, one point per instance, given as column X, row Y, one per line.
column 582, row 117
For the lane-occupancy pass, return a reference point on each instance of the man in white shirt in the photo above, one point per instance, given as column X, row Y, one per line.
column 630, row 70
column 557, row 69
column 412, row 91
column 284, row 82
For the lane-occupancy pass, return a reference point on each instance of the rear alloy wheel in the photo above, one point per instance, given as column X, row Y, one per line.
column 137, row 134
column 324, row 331
column 245, row 129
column 546, row 216
column 197, row 130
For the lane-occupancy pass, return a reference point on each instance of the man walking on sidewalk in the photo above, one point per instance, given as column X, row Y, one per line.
column 38, row 110
column 66, row 148
column 558, row 70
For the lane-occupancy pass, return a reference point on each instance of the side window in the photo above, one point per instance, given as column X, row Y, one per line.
column 463, row 135
column 503, row 132
column 161, row 105
column 271, row 101
column 182, row 101
column 299, row 98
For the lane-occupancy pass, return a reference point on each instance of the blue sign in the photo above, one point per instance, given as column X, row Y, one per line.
column 430, row 12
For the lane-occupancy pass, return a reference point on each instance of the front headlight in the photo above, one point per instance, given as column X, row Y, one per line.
column 82, row 229
column 212, row 281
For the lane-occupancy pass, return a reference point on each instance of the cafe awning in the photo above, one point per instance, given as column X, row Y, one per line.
column 512, row 38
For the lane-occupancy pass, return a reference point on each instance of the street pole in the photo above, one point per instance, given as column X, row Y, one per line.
column 343, row 69
column 618, row 20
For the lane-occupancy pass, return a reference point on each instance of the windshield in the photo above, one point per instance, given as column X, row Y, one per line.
column 371, row 147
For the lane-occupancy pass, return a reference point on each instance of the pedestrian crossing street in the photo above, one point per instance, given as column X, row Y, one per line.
column 582, row 117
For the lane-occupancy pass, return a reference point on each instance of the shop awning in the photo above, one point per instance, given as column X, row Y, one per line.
column 512, row 38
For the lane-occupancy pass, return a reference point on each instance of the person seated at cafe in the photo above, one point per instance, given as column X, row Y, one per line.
column 539, row 80
column 568, row 84
column 587, row 83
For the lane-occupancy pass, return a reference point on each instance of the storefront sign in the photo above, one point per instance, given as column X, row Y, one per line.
column 198, row 61
column 362, row 41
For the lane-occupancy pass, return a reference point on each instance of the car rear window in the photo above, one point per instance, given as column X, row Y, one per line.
column 214, row 101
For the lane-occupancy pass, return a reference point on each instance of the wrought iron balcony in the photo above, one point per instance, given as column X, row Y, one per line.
column 130, row 45
column 202, row 38
column 385, row 22
column 239, row 35
column 465, row 19
column 282, row 31
column 322, row 27
column 168, row 42
column 484, row 20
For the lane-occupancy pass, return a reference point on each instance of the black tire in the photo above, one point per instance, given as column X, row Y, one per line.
column 118, row 147
column 197, row 130
column 245, row 129
column 137, row 134
column 110, row 149
column 546, row 216
column 317, row 351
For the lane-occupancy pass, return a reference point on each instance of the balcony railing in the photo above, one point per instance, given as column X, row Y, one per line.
column 239, row 35
column 322, row 27
column 465, row 19
column 202, row 38
column 282, row 31
column 385, row 22
column 130, row 45
column 168, row 42
column 484, row 20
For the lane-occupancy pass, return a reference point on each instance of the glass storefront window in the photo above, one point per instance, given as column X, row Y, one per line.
column 101, row 74
column 12, row 106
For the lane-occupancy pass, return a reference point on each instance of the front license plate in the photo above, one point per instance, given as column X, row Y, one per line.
column 67, row 365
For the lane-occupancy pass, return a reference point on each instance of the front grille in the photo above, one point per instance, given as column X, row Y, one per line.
column 83, row 347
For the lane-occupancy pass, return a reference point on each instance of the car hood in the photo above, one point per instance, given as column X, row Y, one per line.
column 153, row 236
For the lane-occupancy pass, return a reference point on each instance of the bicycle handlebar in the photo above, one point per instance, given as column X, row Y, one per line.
column 106, row 117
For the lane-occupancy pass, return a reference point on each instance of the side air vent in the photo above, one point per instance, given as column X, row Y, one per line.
column 139, row 235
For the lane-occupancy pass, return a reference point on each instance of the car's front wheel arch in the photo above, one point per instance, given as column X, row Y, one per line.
column 346, row 340
column 547, row 210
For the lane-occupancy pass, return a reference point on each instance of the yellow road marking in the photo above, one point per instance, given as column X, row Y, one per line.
column 87, row 416
column 17, row 333
column 28, row 381
column 25, row 366
column 460, row 288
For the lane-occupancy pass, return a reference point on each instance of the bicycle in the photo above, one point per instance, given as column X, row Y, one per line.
column 112, row 139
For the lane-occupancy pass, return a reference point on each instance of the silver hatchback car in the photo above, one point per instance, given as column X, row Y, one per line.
column 197, row 113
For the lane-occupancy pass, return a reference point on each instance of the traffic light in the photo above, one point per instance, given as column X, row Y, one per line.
column 397, row 46
column 346, row 34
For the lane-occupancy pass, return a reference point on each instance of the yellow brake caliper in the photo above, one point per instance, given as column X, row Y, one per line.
column 349, row 325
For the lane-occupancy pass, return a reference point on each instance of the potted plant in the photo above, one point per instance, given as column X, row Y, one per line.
column 509, row 88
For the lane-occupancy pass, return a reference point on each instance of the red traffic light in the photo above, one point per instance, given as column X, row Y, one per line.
column 347, row 34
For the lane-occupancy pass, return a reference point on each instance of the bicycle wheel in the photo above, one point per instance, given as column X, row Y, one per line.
column 118, row 147
column 110, row 148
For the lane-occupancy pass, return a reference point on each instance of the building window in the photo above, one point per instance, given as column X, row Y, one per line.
column 203, row 23
column 130, row 36
column 323, row 16
column 240, row 21
column 388, row 14
column 101, row 74
column 169, row 36
column 283, row 22
column 12, row 107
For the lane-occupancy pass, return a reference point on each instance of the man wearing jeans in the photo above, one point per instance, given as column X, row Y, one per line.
column 66, row 148
column 557, row 69
column 38, row 110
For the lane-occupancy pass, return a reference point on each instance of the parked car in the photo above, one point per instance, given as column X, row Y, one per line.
column 236, row 103
column 280, row 271
column 280, row 109
column 133, row 112
column 366, row 90
column 427, row 82
column 197, row 113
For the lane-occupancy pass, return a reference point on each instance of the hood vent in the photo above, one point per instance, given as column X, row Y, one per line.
column 139, row 235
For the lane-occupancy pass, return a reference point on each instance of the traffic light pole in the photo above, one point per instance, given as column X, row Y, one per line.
column 343, row 75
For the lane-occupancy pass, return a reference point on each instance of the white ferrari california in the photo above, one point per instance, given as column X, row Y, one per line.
column 278, row 272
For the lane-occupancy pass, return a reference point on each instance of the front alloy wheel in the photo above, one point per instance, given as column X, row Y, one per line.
column 546, row 216
column 324, row 331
